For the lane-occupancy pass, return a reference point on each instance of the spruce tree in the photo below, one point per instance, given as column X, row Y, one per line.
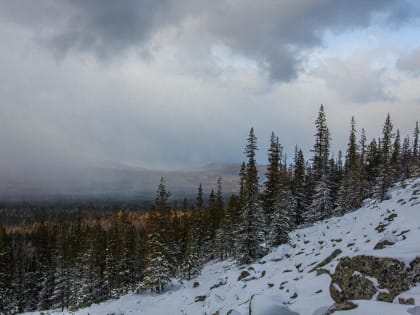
column 350, row 195
column 299, row 187
column 157, row 269
column 384, row 178
column 396, row 158
column 415, row 164
column 322, row 202
column 321, row 148
column 277, row 198
column 250, row 241
column 406, row 159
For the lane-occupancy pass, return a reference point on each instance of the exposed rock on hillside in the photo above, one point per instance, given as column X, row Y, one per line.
column 368, row 277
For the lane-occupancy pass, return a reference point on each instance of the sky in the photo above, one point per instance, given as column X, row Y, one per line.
column 177, row 84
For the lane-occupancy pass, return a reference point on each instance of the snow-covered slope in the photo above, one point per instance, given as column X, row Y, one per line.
column 284, row 277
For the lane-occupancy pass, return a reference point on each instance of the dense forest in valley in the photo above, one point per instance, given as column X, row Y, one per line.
column 79, row 257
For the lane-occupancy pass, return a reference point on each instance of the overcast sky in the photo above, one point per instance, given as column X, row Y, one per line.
column 178, row 83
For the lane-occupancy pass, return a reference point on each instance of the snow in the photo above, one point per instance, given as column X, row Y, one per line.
column 269, row 305
column 282, row 278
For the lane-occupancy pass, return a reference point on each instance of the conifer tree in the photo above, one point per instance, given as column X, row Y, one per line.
column 157, row 269
column 415, row 168
column 226, row 237
column 277, row 198
column 322, row 202
column 350, row 195
column 406, row 159
column 251, row 233
column 199, row 201
column 384, row 178
column 416, row 141
column 321, row 148
column 299, row 187
column 396, row 158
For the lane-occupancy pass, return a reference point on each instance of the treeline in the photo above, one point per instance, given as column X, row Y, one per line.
column 73, row 263
column 17, row 213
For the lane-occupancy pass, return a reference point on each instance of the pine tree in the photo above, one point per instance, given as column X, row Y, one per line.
column 199, row 201
column 322, row 202
column 191, row 264
column 384, row 178
column 406, row 159
column 396, row 158
column 299, row 187
column 416, row 147
column 350, row 195
column 415, row 164
column 157, row 269
column 321, row 148
column 277, row 198
column 226, row 236
column 185, row 204
column 251, row 233
column 363, row 164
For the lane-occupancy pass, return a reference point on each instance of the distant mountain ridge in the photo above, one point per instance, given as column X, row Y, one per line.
column 115, row 180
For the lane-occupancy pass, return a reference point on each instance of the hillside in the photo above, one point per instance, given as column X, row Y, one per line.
column 372, row 253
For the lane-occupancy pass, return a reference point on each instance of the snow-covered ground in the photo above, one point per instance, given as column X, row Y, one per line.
column 283, row 277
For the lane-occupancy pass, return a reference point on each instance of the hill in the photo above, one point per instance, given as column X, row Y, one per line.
column 367, row 261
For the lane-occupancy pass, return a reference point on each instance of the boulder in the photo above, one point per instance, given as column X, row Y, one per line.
column 360, row 277
column 243, row 275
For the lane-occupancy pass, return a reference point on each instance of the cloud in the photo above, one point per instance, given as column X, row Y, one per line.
column 165, row 84
column 355, row 79
column 274, row 33
column 410, row 62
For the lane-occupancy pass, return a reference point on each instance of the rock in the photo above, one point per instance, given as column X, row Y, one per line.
column 327, row 260
column 268, row 305
column 343, row 306
column 351, row 280
column 294, row 296
column 414, row 271
column 220, row 283
column 233, row 312
column 409, row 301
column 321, row 271
column 243, row 275
column 383, row 244
column 391, row 217
column 196, row 284
column 200, row 298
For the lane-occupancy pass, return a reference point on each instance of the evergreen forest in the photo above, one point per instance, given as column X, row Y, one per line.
column 72, row 261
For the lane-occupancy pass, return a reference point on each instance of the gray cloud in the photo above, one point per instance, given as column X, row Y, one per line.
column 193, row 101
column 410, row 62
column 354, row 79
column 274, row 33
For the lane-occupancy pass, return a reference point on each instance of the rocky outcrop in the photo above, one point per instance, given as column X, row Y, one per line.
column 367, row 277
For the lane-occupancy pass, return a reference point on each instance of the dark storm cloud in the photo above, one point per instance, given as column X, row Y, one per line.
column 274, row 33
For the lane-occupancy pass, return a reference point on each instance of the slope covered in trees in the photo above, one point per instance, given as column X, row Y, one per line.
column 75, row 262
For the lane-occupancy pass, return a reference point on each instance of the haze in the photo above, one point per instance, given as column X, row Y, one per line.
column 91, row 87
